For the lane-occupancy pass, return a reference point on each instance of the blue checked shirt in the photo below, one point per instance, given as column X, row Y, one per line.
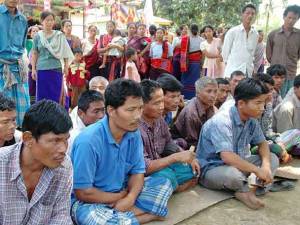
column 226, row 132
column 50, row 202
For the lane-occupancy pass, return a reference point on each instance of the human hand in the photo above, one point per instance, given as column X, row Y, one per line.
column 125, row 204
column 265, row 175
column 181, row 102
column 196, row 167
column 184, row 157
column 33, row 74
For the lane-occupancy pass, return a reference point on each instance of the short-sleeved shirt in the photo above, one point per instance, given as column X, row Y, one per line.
column 45, row 61
column 99, row 162
column 226, row 132
column 156, row 50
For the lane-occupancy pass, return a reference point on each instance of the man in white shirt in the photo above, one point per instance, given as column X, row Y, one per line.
column 90, row 110
column 240, row 44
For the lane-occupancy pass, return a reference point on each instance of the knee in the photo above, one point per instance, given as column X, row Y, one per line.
column 274, row 161
column 234, row 179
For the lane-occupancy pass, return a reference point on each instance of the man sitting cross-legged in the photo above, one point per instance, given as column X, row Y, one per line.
column 109, row 166
column 36, row 175
column 158, row 142
column 223, row 148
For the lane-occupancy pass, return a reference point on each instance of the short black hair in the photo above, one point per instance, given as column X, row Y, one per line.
column 119, row 90
column 249, row 89
column 77, row 50
column 222, row 81
column 237, row 73
column 130, row 52
column 148, row 87
column 169, row 83
column 44, row 117
column 162, row 29
column 6, row 104
column 250, row 5
column 265, row 78
column 277, row 69
column 63, row 22
column 45, row 14
column 297, row 81
column 87, row 97
column 292, row 8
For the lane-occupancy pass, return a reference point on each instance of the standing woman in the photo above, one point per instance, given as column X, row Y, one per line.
column 74, row 41
column 183, row 29
column 90, row 54
column 211, row 49
column 141, row 43
column 50, row 48
column 161, row 53
column 191, row 68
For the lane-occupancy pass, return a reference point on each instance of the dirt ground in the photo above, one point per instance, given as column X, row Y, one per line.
column 282, row 208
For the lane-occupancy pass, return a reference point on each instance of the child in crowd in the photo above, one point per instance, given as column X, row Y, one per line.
column 131, row 69
column 77, row 76
column 115, row 48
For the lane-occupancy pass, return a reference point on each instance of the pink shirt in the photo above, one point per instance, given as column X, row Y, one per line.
column 135, row 74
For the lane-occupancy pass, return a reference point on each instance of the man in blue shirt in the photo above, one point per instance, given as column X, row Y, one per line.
column 109, row 166
column 224, row 146
column 13, row 70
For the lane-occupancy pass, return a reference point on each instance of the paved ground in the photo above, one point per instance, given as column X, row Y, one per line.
column 278, row 211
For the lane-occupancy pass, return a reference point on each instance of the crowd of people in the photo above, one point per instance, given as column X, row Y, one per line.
column 117, row 124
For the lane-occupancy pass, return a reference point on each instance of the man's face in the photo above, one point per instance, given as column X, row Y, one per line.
column 223, row 91
column 171, row 101
column 208, row 94
column 50, row 149
column 278, row 81
column 94, row 113
column 98, row 86
column 234, row 82
column 127, row 116
column 290, row 19
column 11, row 3
column 260, row 37
column 248, row 16
column 155, row 107
column 253, row 108
column 8, row 124
column 297, row 92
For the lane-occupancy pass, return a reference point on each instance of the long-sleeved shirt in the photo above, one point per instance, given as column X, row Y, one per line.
column 238, row 50
column 284, row 49
column 287, row 113
column 50, row 202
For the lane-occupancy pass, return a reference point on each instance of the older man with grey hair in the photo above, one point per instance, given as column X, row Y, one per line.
column 99, row 84
column 197, row 112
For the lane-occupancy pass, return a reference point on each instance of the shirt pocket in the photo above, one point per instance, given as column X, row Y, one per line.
column 17, row 34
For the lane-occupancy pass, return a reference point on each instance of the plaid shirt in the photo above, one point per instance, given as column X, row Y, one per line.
column 50, row 202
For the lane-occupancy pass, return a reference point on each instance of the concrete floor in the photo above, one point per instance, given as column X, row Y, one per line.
column 282, row 208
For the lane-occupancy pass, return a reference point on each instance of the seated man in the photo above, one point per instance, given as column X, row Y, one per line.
column 235, row 79
column 158, row 142
column 8, row 133
column 278, row 73
column 197, row 112
column 223, row 148
column 287, row 113
column 90, row 110
column 36, row 174
column 173, row 101
column 99, row 84
column 223, row 91
column 109, row 166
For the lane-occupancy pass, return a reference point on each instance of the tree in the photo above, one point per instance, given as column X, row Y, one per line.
column 213, row 12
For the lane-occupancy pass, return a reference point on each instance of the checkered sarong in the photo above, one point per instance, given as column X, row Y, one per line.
column 153, row 199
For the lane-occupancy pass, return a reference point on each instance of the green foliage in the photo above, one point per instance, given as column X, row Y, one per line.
column 213, row 12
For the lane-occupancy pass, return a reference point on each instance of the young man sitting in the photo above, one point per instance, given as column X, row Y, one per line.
column 223, row 148
column 90, row 110
column 197, row 112
column 36, row 174
column 223, row 91
column 109, row 166
column 173, row 101
column 8, row 133
column 287, row 113
column 163, row 157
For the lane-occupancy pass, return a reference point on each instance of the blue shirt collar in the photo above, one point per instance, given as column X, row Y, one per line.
column 109, row 135
column 4, row 9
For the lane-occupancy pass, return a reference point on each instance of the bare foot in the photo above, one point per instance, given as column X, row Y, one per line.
column 187, row 185
column 102, row 66
column 146, row 218
column 254, row 199
column 248, row 200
